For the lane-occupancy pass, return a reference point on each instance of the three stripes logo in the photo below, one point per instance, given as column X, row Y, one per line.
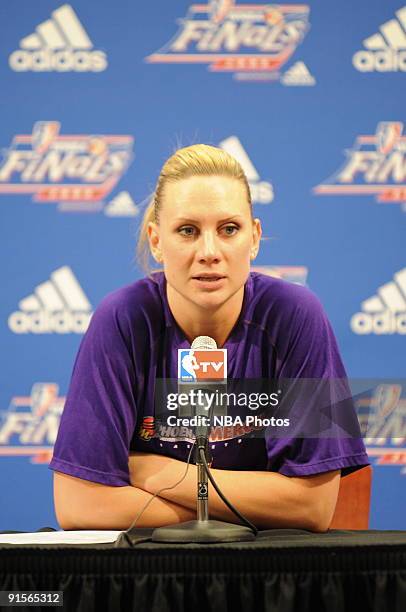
column 122, row 206
column 298, row 74
column 59, row 44
column 261, row 191
column 385, row 51
column 59, row 305
column 385, row 312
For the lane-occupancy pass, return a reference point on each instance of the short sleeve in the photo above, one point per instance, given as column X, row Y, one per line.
column 310, row 352
column 99, row 416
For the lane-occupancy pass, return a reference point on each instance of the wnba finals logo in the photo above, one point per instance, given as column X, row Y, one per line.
column 253, row 41
column 195, row 365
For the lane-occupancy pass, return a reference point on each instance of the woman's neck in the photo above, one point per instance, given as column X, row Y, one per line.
column 195, row 321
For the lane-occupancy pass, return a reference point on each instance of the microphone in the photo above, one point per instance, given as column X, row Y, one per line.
column 202, row 373
column 202, row 370
column 203, row 343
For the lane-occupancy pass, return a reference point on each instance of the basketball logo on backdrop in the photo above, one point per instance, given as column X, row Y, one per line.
column 77, row 172
column 253, row 42
column 195, row 365
column 30, row 424
column 292, row 274
column 381, row 413
column 375, row 165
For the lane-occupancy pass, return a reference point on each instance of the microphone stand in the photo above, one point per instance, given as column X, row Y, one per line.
column 203, row 530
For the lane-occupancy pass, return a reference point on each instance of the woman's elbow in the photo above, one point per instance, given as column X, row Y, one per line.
column 73, row 501
column 320, row 515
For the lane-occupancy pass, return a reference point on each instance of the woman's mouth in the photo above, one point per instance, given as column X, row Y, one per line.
column 212, row 280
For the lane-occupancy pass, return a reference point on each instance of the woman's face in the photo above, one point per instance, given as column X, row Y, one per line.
column 206, row 238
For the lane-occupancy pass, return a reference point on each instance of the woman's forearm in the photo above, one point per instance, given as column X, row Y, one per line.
column 81, row 504
column 267, row 499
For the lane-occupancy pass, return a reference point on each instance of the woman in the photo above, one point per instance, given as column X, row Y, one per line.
column 107, row 463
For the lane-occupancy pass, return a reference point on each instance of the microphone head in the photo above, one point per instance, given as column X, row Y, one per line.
column 204, row 343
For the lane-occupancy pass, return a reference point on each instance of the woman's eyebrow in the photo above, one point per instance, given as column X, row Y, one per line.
column 190, row 220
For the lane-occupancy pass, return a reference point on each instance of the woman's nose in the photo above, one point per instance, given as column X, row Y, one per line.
column 208, row 247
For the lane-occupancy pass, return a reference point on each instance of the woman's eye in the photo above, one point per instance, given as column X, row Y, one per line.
column 230, row 230
column 188, row 230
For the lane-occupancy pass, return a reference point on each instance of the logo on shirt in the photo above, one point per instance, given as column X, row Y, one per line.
column 252, row 41
column 147, row 429
column 261, row 191
column 58, row 305
column 385, row 312
column 59, row 44
column 30, row 424
column 376, row 165
column 292, row 274
column 382, row 417
column 75, row 171
column 195, row 365
column 384, row 51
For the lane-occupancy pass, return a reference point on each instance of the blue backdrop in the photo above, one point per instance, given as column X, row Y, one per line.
column 95, row 96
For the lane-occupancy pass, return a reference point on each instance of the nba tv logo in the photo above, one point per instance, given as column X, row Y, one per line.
column 202, row 365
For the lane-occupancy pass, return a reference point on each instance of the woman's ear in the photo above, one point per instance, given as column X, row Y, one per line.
column 154, row 241
column 256, row 237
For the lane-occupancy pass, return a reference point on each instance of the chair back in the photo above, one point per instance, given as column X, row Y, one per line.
column 353, row 503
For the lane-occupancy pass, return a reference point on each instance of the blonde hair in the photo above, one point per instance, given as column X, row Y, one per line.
column 195, row 160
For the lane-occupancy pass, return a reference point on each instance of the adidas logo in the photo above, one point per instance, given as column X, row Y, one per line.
column 261, row 191
column 298, row 74
column 384, row 313
column 385, row 50
column 122, row 206
column 58, row 305
column 59, row 44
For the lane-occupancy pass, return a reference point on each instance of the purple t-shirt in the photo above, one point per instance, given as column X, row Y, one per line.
column 133, row 340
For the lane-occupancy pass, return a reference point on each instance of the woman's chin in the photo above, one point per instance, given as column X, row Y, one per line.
column 210, row 302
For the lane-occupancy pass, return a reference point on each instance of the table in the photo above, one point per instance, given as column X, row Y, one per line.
column 284, row 570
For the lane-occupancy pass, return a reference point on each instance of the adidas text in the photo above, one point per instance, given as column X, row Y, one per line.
column 385, row 323
column 58, row 61
column 63, row 322
column 387, row 60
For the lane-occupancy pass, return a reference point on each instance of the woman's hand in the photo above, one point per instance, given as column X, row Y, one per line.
column 268, row 499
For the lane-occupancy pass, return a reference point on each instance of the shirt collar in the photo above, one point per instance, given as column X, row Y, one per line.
column 235, row 334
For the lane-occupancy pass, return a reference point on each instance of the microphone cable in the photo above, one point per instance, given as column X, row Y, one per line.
column 124, row 534
column 229, row 505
